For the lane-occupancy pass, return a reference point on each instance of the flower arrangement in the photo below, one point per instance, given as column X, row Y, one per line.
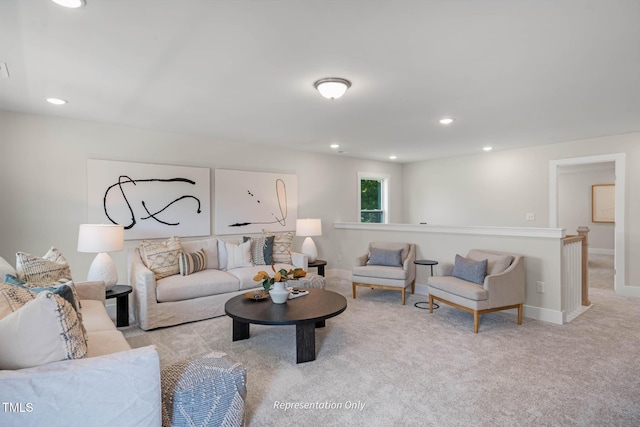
column 281, row 275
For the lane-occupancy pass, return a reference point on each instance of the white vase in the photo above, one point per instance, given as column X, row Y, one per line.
column 278, row 293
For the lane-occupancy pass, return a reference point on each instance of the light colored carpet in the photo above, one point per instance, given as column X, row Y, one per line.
column 409, row 367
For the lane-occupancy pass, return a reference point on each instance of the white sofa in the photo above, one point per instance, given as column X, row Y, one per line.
column 113, row 385
column 202, row 295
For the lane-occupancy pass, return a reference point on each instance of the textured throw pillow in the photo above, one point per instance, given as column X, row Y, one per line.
column 469, row 270
column 281, row 246
column 261, row 249
column 496, row 263
column 387, row 257
column 48, row 269
column 65, row 290
column 238, row 255
column 13, row 297
column 192, row 262
column 46, row 329
column 163, row 258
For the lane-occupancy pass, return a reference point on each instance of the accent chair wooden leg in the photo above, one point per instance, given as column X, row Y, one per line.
column 403, row 292
column 520, row 314
column 430, row 303
column 353, row 286
column 476, row 321
column 413, row 287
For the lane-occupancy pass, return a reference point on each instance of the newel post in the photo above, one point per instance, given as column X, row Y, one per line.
column 584, row 232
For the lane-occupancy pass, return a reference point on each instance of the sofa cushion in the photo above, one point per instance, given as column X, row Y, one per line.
column 470, row 270
column 210, row 247
column 52, row 267
column 238, row 256
column 281, row 246
column 200, row 284
column 106, row 342
column 381, row 272
column 388, row 257
column 192, row 262
column 460, row 287
column 246, row 275
column 44, row 330
column 163, row 258
column 496, row 263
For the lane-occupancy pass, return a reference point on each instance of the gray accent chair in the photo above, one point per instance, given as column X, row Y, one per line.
column 503, row 287
column 388, row 277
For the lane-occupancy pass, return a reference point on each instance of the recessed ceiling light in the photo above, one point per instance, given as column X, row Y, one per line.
column 446, row 121
column 393, row 157
column 73, row 4
column 487, row 148
column 334, row 146
column 56, row 101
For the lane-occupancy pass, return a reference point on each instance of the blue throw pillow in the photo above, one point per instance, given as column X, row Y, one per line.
column 469, row 270
column 387, row 257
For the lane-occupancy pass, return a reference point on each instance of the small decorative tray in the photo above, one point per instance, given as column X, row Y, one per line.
column 256, row 295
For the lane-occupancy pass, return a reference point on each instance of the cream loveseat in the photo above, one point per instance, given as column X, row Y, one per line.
column 201, row 295
column 112, row 385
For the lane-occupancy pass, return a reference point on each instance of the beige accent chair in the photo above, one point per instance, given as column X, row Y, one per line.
column 503, row 288
column 376, row 269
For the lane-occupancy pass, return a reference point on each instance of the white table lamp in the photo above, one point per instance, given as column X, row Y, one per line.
column 309, row 227
column 100, row 239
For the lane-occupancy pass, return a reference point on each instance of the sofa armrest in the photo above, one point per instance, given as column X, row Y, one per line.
column 300, row 260
column 91, row 290
column 117, row 389
column 361, row 260
column 508, row 287
column 143, row 282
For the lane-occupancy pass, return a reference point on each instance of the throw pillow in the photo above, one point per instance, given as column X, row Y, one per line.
column 496, row 264
column 259, row 248
column 281, row 246
column 387, row 257
column 192, row 262
column 13, row 297
column 469, row 270
column 163, row 258
column 50, row 268
column 44, row 330
column 238, row 255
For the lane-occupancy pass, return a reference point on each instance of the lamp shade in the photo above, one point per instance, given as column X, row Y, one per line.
column 96, row 238
column 309, row 227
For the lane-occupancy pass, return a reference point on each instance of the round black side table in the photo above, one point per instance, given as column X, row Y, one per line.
column 121, row 294
column 430, row 263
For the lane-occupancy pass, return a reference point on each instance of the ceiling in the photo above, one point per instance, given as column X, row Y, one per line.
column 511, row 73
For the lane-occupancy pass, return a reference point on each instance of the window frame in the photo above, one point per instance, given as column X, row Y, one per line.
column 384, row 199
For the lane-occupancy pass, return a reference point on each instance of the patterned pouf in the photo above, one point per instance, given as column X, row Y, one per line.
column 309, row 281
column 206, row 390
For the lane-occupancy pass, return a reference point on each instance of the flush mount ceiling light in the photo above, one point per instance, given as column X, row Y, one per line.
column 56, row 101
column 446, row 121
column 335, row 146
column 332, row 87
column 73, row 4
column 487, row 148
column 393, row 157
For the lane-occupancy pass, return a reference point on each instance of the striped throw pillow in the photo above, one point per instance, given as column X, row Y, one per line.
column 192, row 262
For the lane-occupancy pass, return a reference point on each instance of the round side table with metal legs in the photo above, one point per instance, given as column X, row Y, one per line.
column 430, row 263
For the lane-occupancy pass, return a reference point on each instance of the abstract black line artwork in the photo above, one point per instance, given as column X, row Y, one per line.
column 150, row 201
column 126, row 180
column 248, row 202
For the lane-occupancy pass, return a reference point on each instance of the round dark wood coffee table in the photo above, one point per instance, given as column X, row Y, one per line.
column 307, row 313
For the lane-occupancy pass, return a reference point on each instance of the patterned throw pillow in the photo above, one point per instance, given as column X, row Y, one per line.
column 257, row 249
column 163, row 258
column 52, row 267
column 42, row 328
column 192, row 262
column 281, row 246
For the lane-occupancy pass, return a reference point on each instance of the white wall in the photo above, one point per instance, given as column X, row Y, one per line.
column 499, row 188
column 574, row 202
column 44, row 179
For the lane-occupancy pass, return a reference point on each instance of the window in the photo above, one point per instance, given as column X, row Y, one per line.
column 373, row 197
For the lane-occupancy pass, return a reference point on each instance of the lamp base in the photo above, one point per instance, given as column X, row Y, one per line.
column 309, row 249
column 103, row 268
